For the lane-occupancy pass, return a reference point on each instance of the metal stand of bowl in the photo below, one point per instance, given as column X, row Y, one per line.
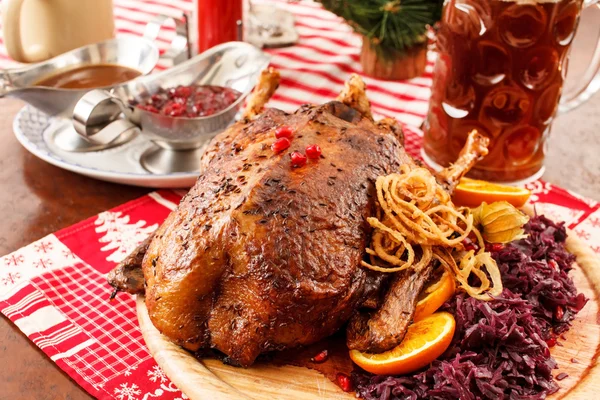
column 161, row 159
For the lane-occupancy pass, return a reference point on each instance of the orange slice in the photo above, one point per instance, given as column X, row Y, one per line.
column 425, row 341
column 472, row 192
column 434, row 296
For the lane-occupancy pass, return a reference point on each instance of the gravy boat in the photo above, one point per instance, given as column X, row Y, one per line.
column 134, row 52
column 102, row 116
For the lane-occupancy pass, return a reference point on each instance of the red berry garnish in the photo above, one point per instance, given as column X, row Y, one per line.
column 321, row 357
column 497, row 247
column 298, row 159
column 313, row 151
column 551, row 342
column 284, row 132
column 344, row 382
column 469, row 245
column 280, row 145
column 493, row 247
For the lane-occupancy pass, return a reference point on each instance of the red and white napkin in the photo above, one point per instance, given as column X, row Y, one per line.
column 55, row 289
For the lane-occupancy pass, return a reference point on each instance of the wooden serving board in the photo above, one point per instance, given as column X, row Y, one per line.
column 211, row 379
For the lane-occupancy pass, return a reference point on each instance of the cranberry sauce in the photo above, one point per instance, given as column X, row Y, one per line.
column 190, row 101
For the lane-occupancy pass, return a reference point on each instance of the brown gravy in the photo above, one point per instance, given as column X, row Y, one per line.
column 89, row 77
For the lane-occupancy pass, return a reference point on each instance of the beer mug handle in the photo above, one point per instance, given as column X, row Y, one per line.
column 590, row 83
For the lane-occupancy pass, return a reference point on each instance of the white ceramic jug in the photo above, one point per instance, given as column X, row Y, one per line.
column 36, row 30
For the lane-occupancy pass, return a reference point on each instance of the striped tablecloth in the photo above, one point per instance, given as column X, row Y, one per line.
column 55, row 289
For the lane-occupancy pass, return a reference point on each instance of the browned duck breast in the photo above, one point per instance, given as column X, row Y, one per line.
column 261, row 255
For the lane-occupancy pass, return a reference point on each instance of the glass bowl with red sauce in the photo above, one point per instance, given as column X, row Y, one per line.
column 183, row 107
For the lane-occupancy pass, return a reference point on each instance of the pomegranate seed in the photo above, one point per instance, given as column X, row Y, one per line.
column 551, row 342
column 344, row 382
column 313, row 151
column 469, row 245
column 497, row 247
column 559, row 312
column 284, row 132
column 321, row 357
column 493, row 247
column 280, row 145
column 298, row 159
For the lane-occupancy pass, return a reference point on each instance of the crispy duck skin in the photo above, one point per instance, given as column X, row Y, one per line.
column 260, row 256
column 128, row 275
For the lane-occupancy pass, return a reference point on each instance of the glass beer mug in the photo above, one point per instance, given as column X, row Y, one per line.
column 500, row 70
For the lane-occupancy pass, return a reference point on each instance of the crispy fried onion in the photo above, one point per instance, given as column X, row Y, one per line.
column 416, row 223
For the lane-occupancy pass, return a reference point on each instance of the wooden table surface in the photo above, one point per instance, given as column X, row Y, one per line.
column 37, row 199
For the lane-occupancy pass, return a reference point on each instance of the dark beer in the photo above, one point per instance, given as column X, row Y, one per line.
column 500, row 70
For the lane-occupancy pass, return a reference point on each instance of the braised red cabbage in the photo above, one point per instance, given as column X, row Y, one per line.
column 500, row 348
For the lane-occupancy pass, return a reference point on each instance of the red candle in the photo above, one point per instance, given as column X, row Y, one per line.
column 217, row 22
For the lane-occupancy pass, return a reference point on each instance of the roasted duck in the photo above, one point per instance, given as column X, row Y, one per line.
column 262, row 256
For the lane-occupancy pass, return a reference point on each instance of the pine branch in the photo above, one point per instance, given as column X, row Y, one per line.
column 391, row 25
